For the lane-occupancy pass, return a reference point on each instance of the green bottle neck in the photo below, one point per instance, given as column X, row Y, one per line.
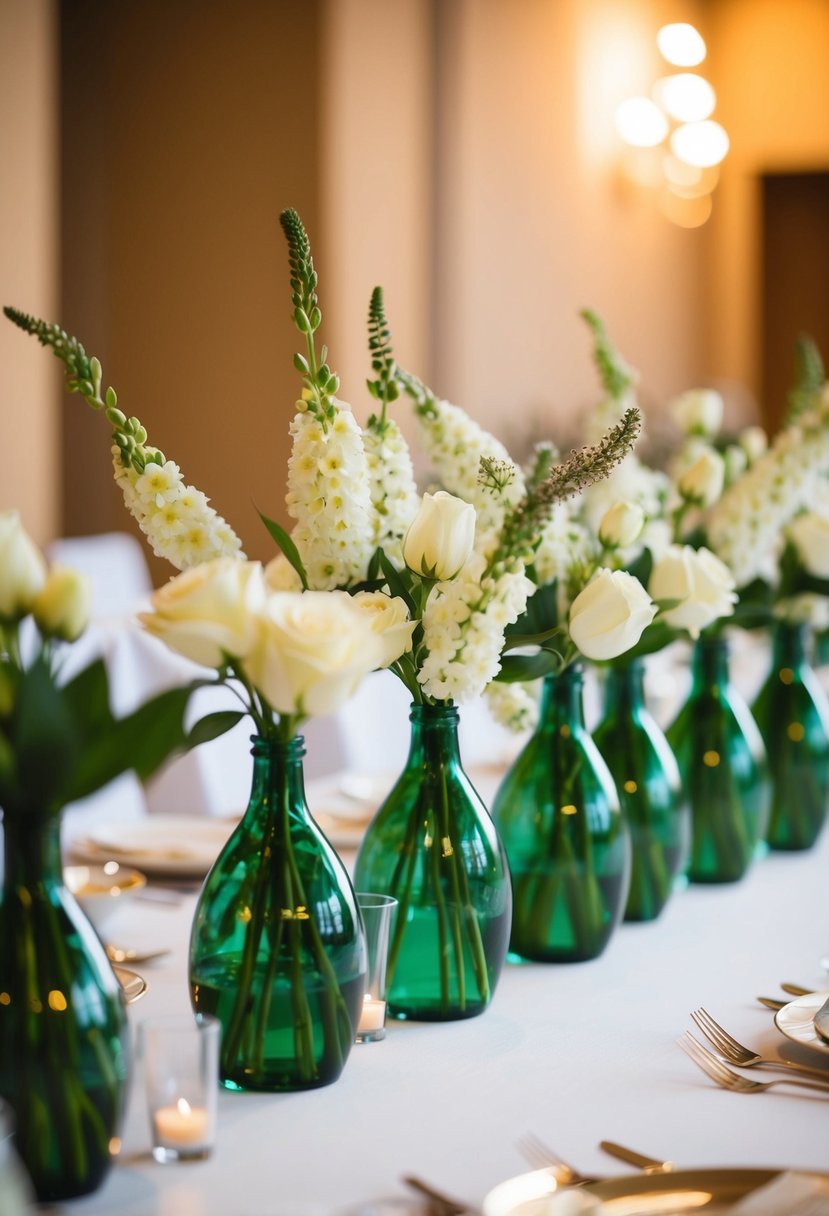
column 31, row 852
column 625, row 688
column 434, row 735
column 278, row 778
column 709, row 665
column 788, row 648
column 562, row 701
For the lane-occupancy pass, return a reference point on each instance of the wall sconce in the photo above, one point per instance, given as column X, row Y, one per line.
column 674, row 146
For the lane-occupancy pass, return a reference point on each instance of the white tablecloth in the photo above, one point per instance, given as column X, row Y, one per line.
column 573, row 1053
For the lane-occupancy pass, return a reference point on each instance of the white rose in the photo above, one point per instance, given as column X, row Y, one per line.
column 804, row 609
column 754, row 442
column 703, row 584
column 389, row 618
column 61, row 607
column 610, row 615
column 736, row 462
column 702, row 484
column 22, row 568
column 440, row 538
column 810, row 535
column 656, row 536
column 313, row 649
column 698, row 412
column 621, row 525
column 209, row 612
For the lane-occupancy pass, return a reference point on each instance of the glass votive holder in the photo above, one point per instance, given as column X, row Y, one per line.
column 377, row 912
column 181, row 1072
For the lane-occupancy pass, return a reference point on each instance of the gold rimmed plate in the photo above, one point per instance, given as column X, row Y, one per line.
column 669, row 1194
column 797, row 1020
column 133, row 984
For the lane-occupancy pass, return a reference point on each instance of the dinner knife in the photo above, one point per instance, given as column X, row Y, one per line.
column 822, row 1021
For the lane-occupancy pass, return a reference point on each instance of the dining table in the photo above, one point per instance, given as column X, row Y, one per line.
column 572, row 1053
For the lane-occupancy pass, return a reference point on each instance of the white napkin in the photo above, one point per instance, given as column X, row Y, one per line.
column 788, row 1194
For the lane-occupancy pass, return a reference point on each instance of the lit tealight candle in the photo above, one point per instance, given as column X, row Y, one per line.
column 373, row 1015
column 182, row 1125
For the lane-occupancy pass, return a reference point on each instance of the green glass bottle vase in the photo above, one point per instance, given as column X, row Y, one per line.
column 724, row 770
column 277, row 949
column 65, row 1049
column 647, row 781
column 567, row 844
column 792, row 712
column 433, row 846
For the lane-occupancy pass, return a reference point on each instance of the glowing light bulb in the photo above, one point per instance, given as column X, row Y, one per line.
column 686, row 96
column 640, row 122
column 681, row 45
column 700, row 143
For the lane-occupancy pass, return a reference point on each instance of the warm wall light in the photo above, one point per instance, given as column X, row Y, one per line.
column 702, row 144
column 640, row 122
column 678, row 115
column 681, row 45
column 685, row 96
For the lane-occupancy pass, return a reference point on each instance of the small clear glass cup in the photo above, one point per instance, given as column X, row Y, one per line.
column 378, row 913
column 16, row 1194
column 181, row 1073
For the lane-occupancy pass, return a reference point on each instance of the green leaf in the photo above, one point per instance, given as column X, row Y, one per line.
column 540, row 614
column 287, row 546
column 86, row 698
column 518, row 668
column 517, row 640
column 43, row 737
column 211, row 726
column 396, row 584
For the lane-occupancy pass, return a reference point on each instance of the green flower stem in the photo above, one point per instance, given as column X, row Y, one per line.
column 407, row 859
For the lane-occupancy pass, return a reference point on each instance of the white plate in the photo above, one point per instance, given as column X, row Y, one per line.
column 669, row 1194
column 160, row 844
column 797, row 1020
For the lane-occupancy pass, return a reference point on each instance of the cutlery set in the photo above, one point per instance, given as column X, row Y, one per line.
column 729, row 1051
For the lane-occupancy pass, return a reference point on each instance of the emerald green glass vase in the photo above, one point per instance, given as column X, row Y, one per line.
column 433, row 846
column 277, row 949
column 724, row 770
column 792, row 712
column 567, row 844
column 63, row 1032
column 647, row 781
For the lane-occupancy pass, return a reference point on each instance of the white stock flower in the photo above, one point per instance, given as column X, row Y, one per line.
column 608, row 617
column 177, row 519
column 805, row 609
column 61, row 607
column 312, row 650
column 209, row 612
column 440, row 537
column 22, row 568
column 281, row 576
column 621, row 525
column 328, row 496
column 455, row 445
column 810, row 535
column 565, row 543
column 700, row 581
column 514, row 705
column 698, row 411
column 736, row 462
column 394, row 497
column 390, row 619
column 702, row 483
column 754, row 441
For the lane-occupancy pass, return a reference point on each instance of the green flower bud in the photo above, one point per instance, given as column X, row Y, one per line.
column 141, row 434
column 315, row 318
column 301, row 364
column 333, row 385
column 116, row 417
column 111, row 397
column 301, row 320
column 123, row 441
column 96, row 372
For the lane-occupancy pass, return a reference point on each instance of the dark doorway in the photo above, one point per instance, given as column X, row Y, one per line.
column 795, row 287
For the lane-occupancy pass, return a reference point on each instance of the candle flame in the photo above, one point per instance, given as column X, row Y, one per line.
column 183, row 1106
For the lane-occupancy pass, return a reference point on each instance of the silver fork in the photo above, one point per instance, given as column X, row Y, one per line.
column 728, row 1079
column 543, row 1158
column 737, row 1053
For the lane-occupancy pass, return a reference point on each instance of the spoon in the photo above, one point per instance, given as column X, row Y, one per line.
column 116, row 954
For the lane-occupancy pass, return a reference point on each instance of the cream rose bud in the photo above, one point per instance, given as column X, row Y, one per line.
column 700, row 581
column 440, row 538
column 389, row 618
column 698, row 412
column 61, row 607
column 312, row 650
column 22, row 568
column 810, row 536
column 610, row 615
column 754, row 441
column 702, row 484
column 210, row 611
column 621, row 525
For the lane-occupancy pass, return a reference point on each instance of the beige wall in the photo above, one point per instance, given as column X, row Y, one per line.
column 769, row 59
column 28, row 267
